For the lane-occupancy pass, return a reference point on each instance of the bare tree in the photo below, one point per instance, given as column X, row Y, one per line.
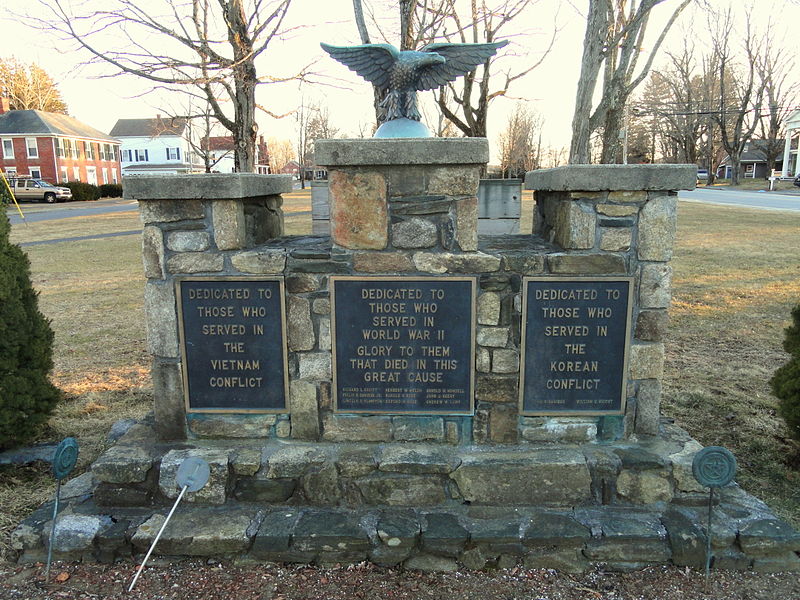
column 281, row 153
column 196, row 45
column 29, row 87
column 520, row 143
column 613, row 42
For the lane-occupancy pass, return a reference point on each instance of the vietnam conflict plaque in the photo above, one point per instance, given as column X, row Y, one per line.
column 403, row 345
column 574, row 344
column 232, row 344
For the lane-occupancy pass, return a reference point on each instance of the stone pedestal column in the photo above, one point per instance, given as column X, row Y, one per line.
column 404, row 194
column 619, row 219
column 199, row 225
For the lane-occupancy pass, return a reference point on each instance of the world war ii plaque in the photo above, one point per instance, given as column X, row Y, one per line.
column 232, row 344
column 403, row 345
column 575, row 345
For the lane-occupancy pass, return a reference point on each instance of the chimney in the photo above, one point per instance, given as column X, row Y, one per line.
column 5, row 105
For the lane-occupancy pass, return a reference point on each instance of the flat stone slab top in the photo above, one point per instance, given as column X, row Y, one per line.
column 619, row 178
column 205, row 186
column 401, row 151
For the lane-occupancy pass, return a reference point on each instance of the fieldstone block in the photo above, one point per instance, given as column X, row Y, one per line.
column 445, row 262
column 497, row 389
column 577, row 264
column 644, row 487
column 324, row 334
column 540, row 477
column 259, row 261
column 300, row 283
column 188, row 241
column 416, row 460
column 75, row 533
column 392, row 489
column 160, row 314
column 627, row 196
column 283, row 429
column 769, row 537
column 304, row 410
column 524, row 265
column 195, row 262
column 787, row 561
column 454, row 180
column 382, row 262
column 229, row 224
column 494, row 337
column 328, row 531
column 291, row 461
column 198, row 532
column 428, row 563
column 651, row 325
column 505, row 361
column 245, row 461
column 418, row 429
column 503, row 423
column 169, row 405
column 356, row 461
column 359, row 212
column 564, row 430
column 321, row 485
column 314, row 365
column 647, row 360
column 414, row 233
column 123, row 464
column 231, row 426
column 655, row 290
column 169, row 211
column 398, row 529
column 617, row 210
column 682, row 468
column 300, row 329
column 483, row 361
column 443, row 534
column 274, row 534
column 566, row 560
column 473, row 559
column 346, row 428
column 489, row 308
column 574, row 226
column 213, row 492
column 264, row 491
column 321, row 306
column 466, row 224
column 615, row 239
column 555, row 529
column 153, row 252
column 687, row 539
column 452, row 433
column 494, row 536
column 657, row 226
column 648, row 407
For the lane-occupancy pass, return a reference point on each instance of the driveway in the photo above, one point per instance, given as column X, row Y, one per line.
column 787, row 201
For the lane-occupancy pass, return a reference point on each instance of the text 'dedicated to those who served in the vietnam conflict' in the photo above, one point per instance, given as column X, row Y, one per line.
column 403, row 345
column 575, row 340
column 232, row 343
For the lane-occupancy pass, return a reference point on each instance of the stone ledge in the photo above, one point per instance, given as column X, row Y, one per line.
column 205, row 186
column 588, row 178
column 402, row 151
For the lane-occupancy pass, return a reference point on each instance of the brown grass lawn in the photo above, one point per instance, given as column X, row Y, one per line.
column 736, row 277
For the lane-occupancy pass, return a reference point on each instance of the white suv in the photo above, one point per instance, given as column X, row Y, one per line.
column 39, row 190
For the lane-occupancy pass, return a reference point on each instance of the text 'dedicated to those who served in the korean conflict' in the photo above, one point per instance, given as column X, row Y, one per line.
column 575, row 340
column 403, row 345
column 232, row 341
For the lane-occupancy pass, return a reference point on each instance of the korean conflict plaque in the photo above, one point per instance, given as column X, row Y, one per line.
column 403, row 345
column 232, row 344
column 574, row 344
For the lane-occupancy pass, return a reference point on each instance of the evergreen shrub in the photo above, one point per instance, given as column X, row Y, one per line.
column 26, row 349
column 111, row 190
column 83, row 191
column 786, row 380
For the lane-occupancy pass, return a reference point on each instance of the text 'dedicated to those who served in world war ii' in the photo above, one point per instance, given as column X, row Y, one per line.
column 403, row 345
column 233, row 344
column 575, row 340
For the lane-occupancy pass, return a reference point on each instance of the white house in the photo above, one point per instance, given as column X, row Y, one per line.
column 157, row 145
column 790, row 151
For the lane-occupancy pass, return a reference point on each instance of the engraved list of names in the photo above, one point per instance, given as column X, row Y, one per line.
column 403, row 345
column 232, row 343
column 575, row 341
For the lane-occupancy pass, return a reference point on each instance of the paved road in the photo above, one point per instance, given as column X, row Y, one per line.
column 763, row 200
column 47, row 212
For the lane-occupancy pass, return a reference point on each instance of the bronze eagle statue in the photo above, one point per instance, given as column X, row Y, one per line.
column 404, row 73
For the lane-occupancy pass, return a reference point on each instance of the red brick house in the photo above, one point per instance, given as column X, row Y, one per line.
column 55, row 147
column 220, row 151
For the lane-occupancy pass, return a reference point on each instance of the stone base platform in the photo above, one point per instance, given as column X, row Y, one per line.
column 624, row 505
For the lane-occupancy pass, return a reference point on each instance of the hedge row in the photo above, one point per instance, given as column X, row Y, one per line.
column 87, row 191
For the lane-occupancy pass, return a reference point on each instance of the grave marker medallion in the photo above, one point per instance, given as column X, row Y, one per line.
column 232, row 337
column 403, row 345
column 575, row 345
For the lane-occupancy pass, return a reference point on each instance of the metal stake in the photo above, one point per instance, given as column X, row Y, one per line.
column 158, row 536
column 52, row 533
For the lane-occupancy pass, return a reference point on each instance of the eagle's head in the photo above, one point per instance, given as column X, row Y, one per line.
column 418, row 60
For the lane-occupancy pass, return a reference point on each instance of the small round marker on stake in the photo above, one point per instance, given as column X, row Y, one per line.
column 713, row 467
column 192, row 475
column 64, row 459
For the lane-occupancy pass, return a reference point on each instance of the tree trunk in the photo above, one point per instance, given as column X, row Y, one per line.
column 245, row 78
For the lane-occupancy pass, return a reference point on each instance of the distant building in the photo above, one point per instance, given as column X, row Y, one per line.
column 55, row 147
column 791, row 168
column 291, row 168
column 159, row 145
column 221, row 150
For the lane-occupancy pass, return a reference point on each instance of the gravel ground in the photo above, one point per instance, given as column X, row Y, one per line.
column 212, row 580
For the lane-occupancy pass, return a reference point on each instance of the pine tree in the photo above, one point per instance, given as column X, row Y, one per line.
column 786, row 380
column 26, row 349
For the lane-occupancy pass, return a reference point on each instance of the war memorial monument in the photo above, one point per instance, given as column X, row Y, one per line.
column 408, row 392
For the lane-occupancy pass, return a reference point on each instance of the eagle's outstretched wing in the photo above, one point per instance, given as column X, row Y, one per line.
column 460, row 59
column 372, row 61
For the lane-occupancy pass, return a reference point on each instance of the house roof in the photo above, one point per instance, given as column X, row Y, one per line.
column 47, row 123
column 754, row 151
column 221, row 142
column 149, row 127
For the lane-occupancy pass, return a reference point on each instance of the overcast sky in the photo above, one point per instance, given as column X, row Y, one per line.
column 550, row 88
